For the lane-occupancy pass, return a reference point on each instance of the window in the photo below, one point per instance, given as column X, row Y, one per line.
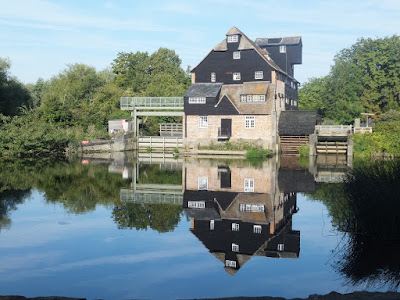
column 197, row 100
column 235, row 247
column 211, row 224
column 257, row 228
column 287, row 100
column 202, row 183
column 282, row 49
column 249, row 185
column 234, row 38
column 197, row 204
column 203, row 122
column 295, row 102
column 213, row 77
column 252, row 98
column 281, row 247
column 236, row 76
column 259, row 75
column 230, row 263
column 251, row 207
column 236, row 55
column 235, row 227
column 250, row 122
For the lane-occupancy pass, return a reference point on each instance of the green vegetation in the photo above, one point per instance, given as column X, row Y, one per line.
column 363, row 78
column 365, row 209
column 384, row 140
column 304, row 151
column 229, row 146
column 41, row 119
column 257, row 153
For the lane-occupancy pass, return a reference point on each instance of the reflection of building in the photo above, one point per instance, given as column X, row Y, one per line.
column 238, row 212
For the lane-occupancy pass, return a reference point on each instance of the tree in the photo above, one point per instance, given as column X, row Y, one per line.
column 364, row 77
column 13, row 94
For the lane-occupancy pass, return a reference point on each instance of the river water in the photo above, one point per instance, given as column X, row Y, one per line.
column 165, row 228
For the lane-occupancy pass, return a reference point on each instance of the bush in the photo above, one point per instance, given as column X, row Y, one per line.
column 257, row 153
column 304, row 150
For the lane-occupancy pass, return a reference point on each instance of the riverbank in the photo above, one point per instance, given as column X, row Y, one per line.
column 330, row 296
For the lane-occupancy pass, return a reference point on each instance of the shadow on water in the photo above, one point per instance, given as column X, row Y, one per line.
column 365, row 207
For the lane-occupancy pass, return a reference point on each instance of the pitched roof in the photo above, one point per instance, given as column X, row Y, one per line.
column 297, row 122
column 287, row 40
column 233, row 92
column 203, row 90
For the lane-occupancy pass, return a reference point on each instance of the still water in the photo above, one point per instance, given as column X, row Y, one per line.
column 172, row 229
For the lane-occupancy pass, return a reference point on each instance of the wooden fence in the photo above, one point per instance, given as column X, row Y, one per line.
column 158, row 142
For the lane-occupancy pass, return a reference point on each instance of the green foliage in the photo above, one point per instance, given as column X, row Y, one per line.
column 229, row 146
column 304, row 151
column 23, row 136
column 176, row 150
column 13, row 93
column 390, row 115
column 384, row 140
column 148, row 149
column 257, row 153
column 363, row 78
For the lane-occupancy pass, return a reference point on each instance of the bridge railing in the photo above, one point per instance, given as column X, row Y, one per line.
column 362, row 129
column 333, row 130
column 129, row 103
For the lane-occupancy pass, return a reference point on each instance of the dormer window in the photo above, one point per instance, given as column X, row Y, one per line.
column 234, row 38
column 282, row 49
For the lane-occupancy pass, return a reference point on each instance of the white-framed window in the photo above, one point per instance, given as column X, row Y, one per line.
column 251, row 207
column 295, row 102
column 257, row 228
column 249, row 185
column 236, row 76
column 282, row 49
column 213, row 77
column 202, row 183
column 211, row 224
column 197, row 204
column 235, row 247
column 258, row 75
column 287, row 100
column 252, row 98
column 197, row 100
column 250, row 122
column 203, row 122
column 230, row 263
column 234, row 38
column 236, row 55
column 235, row 227
column 281, row 247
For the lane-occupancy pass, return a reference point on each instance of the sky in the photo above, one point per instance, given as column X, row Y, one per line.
column 42, row 37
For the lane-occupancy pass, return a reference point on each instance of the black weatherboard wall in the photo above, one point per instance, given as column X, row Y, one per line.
column 223, row 64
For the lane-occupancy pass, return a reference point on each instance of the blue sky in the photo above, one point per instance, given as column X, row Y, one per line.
column 41, row 37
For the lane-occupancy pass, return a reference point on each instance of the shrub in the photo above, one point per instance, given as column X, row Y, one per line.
column 304, row 150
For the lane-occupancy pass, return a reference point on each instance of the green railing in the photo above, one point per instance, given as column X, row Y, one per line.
column 129, row 103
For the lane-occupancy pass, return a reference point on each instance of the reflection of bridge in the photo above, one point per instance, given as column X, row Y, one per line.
column 154, row 193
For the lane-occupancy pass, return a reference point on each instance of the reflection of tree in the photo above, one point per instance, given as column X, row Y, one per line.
column 366, row 208
column 153, row 174
column 78, row 187
column 8, row 202
column 160, row 217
